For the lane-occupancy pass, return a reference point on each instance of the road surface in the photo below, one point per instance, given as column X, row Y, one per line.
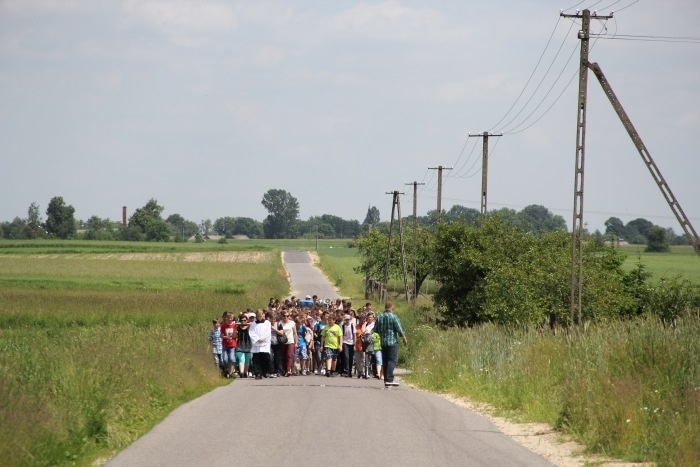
column 304, row 278
column 318, row 421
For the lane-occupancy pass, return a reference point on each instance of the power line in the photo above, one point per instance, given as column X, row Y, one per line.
column 612, row 4
column 459, row 170
column 531, row 75
column 629, row 37
column 624, row 8
column 516, row 127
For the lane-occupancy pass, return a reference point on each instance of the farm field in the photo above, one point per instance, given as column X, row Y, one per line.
column 681, row 260
column 98, row 342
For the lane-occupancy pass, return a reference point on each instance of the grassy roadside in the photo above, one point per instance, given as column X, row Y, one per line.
column 625, row 389
column 97, row 346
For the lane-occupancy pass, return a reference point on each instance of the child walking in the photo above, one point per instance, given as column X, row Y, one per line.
column 215, row 344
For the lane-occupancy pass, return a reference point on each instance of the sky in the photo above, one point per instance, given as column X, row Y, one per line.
column 206, row 105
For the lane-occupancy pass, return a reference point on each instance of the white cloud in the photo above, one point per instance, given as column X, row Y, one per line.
column 181, row 19
column 268, row 56
column 39, row 6
column 389, row 20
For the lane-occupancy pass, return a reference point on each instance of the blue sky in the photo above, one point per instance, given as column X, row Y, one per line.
column 205, row 105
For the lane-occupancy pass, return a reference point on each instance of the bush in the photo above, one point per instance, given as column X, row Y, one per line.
column 672, row 297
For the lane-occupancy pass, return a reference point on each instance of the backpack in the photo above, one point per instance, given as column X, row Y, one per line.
column 367, row 342
column 281, row 338
column 308, row 335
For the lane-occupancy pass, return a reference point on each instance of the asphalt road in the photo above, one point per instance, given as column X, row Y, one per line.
column 319, row 421
column 306, row 279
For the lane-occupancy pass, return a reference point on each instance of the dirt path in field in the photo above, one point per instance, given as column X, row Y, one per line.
column 187, row 257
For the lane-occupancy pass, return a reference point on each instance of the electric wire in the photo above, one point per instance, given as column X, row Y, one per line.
column 478, row 170
column 531, row 75
column 517, row 128
column 546, row 73
column 626, row 7
column 629, row 37
column 459, row 170
column 471, row 167
column 572, row 7
column 611, row 5
column 466, row 141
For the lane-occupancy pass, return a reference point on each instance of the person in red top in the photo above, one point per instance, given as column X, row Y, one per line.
column 229, row 335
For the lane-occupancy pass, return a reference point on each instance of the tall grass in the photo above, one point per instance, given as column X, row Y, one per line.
column 338, row 263
column 94, row 350
column 629, row 389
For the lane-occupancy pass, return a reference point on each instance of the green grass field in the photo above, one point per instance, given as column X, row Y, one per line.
column 682, row 260
column 98, row 342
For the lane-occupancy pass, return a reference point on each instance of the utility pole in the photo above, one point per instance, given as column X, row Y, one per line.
column 415, row 238
column 577, row 226
column 395, row 206
column 439, row 168
column 484, row 167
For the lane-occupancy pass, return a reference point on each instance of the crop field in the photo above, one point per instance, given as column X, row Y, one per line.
column 98, row 342
column 681, row 260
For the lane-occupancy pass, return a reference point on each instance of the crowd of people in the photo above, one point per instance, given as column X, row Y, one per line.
column 308, row 336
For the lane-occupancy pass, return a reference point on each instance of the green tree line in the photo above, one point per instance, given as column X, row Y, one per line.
column 495, row 270
column 147, row 224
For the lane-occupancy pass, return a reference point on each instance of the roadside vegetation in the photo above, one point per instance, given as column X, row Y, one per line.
column 625, row 382
column 101, row 340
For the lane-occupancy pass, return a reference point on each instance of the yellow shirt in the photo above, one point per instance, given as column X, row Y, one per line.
column 331, row 336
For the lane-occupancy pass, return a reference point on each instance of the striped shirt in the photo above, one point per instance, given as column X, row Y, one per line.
column 389, row 328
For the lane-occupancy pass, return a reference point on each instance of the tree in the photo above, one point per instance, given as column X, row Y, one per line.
column 372, row 250
column 225, row 226
column 283, row 216
column 657, row 240
column 536, row 218
column 637, row 230
column 60, row 220
column 15, row 230
column 35, row 228
column 206, row 226
column 99, row 229
column 248, row 227
column 497, row 272
column 507, row 215
column 230, row 226
column 182, row 228
column 372, row 217
column 615, row 226
column 461, row 213
column 149, row 222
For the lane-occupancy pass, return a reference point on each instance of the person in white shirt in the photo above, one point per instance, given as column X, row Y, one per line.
column 260, row 333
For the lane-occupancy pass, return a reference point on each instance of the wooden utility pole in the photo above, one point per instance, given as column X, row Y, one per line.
column 439, row 168
column 395, row 206
column 484, row 167
column 577, row 227
column 415, row 238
